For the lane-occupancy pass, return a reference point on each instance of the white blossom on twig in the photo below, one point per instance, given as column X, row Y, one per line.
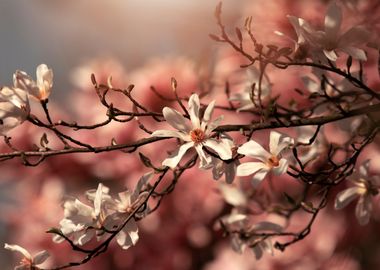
column 365, row 187
column 197, row 134
column 271, row 161
column 39, row 89
column 14, row 108
column 28, row 261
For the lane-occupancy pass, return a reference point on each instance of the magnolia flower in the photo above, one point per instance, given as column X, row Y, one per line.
column 248, row 94
column 196, row 135
column 219, row 167
column 28, row 262
column 80, row 219
column 269, row 161
column 330, row 40
column 365, row 187
column 257, row 243
column 14, row 108
column 39, row 89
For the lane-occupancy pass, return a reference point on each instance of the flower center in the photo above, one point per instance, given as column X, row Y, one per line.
column 273, row 161
column 197, row 135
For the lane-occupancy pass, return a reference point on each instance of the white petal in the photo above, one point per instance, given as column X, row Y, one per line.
column 232, row 195
column 346, row 196
column 87, row 236
column 356, row 53
column 311, row 85
column 364, row 168
column 281, row 168
column 356, row 35
column 194, row 107
column 176, row 120
column 331, row 55
column 363, row 209
column 40, row 257
column 98, row 200
column 141, row 183
column 132, row 230
column 223, row 149
column 176, row 157
column 249, row 168
column 255, row 150
column 333, row 20
column 207, row 114
column 123, row 240
column 17, row 248
column 214, row 124
column 171, row 134
column 258, row 177
column 204, row 158
column 44, row 81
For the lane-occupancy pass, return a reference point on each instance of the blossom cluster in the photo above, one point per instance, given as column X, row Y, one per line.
column 281, row 158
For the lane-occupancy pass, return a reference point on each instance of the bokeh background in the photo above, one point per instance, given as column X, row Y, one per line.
column 146, row 43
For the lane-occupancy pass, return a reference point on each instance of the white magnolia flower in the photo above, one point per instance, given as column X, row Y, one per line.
column 365, row 187
column 246, row 96
column 256, row 242
column 81, row 220
column 330, row 40
column 197, row 134
column 307, row 153
column 219, row 167
column 269, row 161
column 28, row 261
column 39, row 89
column 14, row 108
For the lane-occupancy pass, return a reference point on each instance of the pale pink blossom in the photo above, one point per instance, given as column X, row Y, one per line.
column 271, row 161
column 197, row 134
column 28, row 261
column 14, row 108
column 365, row 187
column 39, row 89
column 330, row 40
column 250, row 97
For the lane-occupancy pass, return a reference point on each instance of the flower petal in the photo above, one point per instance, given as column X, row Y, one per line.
column 171, row 134
column 176, row 120
column 281, row 168
column 232, row 195
column 333, row 20
column 331, row 55
column 356, row 53
column 194, row 107
column 98, row 200
column 356, row 35
column 17, row 248
column 176, row 157
column 40, row 257
column 258, row 177
column 44, row 81
column 249, row 168
column 346, row 196
column 255, row 150
column 205, row 159
column 207, row 114
column 267, row 226
column 223, row 149
column 363, row 209
column 230, row 172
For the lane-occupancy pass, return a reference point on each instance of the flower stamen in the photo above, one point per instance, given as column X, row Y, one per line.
column 197, row 135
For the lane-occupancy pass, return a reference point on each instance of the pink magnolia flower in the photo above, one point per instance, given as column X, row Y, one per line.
column 269, row 161
column 196, row 135
column 250, row 98
column 28, row 262
column 365, row 187
column 14, row 108
column 330, row 40
column 39, row 89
